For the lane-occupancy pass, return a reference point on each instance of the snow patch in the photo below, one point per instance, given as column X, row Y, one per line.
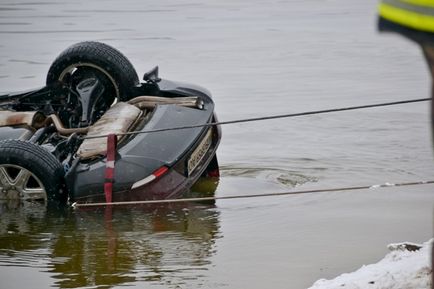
column 407, row 266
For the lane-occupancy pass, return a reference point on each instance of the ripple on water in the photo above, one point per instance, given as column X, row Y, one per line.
column 14, row 9
column 63, row 31
column 285, row 177
column 26, row 61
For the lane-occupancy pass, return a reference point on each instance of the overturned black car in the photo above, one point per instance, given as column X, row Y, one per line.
column 72, row 138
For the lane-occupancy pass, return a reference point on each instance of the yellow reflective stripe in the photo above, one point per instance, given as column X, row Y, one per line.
column 407, row 18
column 427, row 3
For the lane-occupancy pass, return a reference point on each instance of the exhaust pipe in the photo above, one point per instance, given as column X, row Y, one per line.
column 54, row 119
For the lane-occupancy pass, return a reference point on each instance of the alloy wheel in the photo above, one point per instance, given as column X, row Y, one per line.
column 17, row 182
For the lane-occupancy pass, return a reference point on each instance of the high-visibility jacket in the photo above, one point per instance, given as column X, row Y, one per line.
column 413, row 14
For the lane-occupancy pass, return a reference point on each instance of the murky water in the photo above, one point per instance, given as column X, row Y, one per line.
column 258, row 58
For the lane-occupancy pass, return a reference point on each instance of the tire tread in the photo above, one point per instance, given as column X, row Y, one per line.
column 102, row 55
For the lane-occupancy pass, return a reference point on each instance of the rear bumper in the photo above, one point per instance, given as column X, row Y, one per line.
column 172, row 184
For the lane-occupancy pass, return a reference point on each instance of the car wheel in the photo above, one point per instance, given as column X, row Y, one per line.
column 101, row 58
column 29, row 172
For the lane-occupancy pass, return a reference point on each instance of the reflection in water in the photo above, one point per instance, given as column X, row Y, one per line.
column 162, row 244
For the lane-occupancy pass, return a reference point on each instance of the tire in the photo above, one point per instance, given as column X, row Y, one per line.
column 29, row 172
column 106, row 59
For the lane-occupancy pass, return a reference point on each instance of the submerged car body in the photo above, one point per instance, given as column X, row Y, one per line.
column 63, row 128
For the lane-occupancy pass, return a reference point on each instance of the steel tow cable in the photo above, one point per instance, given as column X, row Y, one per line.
column 313, row 191
column 76, row 204
column 289, row 115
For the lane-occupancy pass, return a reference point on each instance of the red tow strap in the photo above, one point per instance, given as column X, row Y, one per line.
column 110, row 167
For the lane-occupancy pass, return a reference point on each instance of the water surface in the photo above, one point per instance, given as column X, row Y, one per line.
column 258, row 58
